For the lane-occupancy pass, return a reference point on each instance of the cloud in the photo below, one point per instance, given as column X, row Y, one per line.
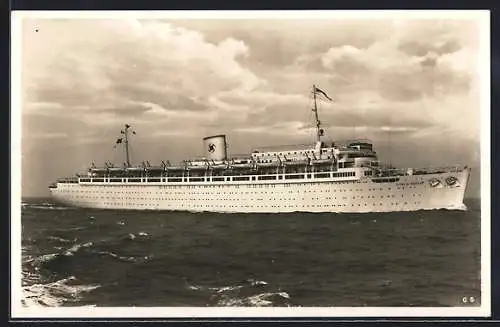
column 176, row 81
column 108, row 63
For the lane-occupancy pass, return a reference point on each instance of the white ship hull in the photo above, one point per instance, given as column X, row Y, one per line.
column 409, row 193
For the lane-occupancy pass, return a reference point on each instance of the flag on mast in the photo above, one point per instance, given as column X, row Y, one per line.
column 118, row 141
column 318, row 91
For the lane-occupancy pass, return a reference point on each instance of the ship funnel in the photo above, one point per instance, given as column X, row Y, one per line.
column 215, row 147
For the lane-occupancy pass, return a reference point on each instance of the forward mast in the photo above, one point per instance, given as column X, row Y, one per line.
column 125, row 143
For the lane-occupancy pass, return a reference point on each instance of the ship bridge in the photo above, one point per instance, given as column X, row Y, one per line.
column 292, row 152
column 360, row 144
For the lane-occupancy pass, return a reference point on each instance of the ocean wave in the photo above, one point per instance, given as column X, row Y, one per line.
column 247, row 283
column 459, row 207
column 225, row 288
column 123, row 258
column 71, row 229
column 44, row 206
column 267, row 299
column 41, row 259
column 60, row 239
column 46, row 258
column 132, row 236
column 75, row 248
column 49, row 259
column 29, row 278
column 251, row 292
column 54, row 294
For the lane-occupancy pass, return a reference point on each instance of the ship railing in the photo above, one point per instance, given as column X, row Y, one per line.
column 436, row 170
column 283, row 147
column 418, row 171
column 292, row 175
column 68, row 180
column 350, row 141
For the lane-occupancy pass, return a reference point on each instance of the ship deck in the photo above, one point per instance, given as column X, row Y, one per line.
column 283, row 173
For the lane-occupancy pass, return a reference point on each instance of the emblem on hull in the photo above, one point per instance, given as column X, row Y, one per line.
column 451, row 181
column 435, row 182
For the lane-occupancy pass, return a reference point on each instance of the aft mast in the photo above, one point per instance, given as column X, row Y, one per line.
column 125, row 142
column 319, row 131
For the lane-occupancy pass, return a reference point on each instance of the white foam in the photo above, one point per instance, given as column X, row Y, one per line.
column 226, row 288
column 60, row 239
column 263, row 298
column 42, row 258
column 71, row 251
column 50, row 207
column 116, row 256
column 230, row 296
column 54, row 294
column 257, row 282
column 258, row 300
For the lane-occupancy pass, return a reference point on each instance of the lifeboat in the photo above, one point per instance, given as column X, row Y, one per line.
column 245, row 163
column 299, row 162
column 175, row 168
column 98, row 170
column 248, row 165
column 221, row 166
column 271, row 164
column 435, row 182
column 322, row 161
column 451, row 181
column 156, row 168
column 115, row 169
column 196, row 167
column 134, row 169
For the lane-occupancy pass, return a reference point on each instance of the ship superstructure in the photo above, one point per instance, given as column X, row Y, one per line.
column 341, row 176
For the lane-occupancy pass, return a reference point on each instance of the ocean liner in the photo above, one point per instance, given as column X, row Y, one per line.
column 343, row 176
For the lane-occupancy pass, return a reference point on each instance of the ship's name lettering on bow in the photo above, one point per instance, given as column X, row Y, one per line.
column 410, row 183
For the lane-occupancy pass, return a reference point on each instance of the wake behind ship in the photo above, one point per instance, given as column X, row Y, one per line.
column 338, row 177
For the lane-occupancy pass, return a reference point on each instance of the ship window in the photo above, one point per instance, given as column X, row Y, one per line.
column 244, row 178
column 294, row 176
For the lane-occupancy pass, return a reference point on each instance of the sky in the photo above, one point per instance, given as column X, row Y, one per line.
column 409, row 85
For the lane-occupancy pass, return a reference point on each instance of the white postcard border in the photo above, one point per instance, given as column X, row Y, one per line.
column 18, row 311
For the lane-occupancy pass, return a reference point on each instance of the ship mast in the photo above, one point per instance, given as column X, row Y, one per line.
column 317, row 121
column 125, row 143
column 127, row 156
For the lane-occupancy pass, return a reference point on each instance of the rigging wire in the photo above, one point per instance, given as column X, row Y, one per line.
column 309, row 117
